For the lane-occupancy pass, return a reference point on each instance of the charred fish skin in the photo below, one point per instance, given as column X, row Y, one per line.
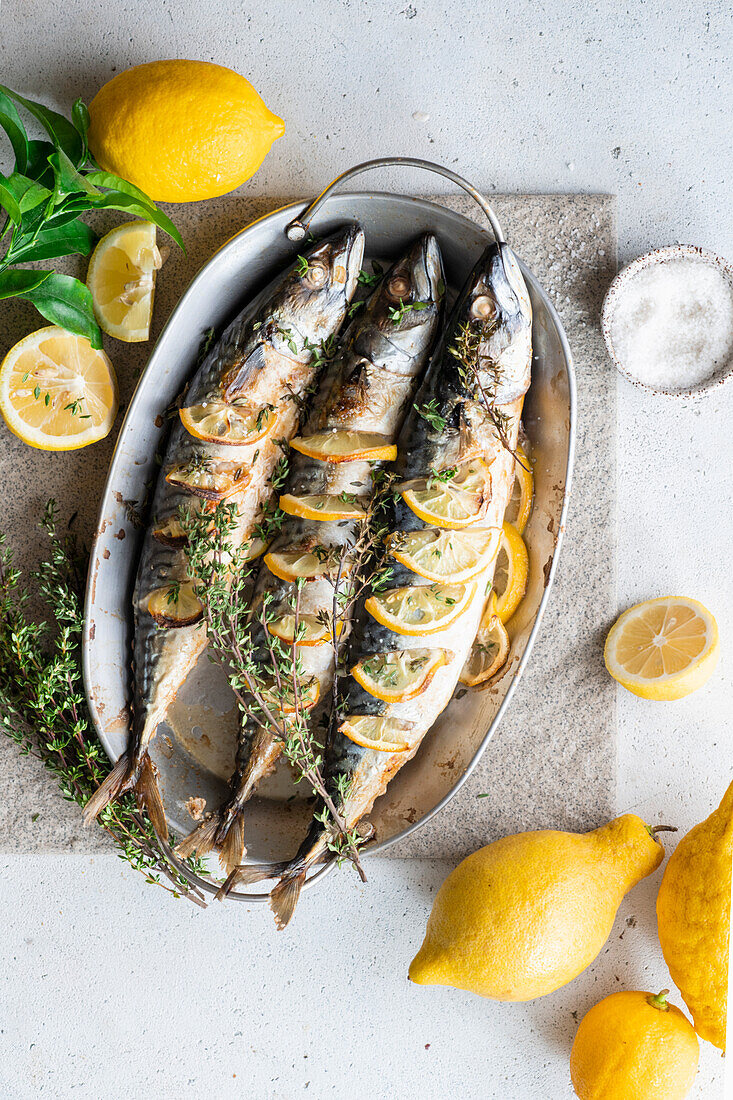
column 367, row 387
column 240, row 406
column 454, row 417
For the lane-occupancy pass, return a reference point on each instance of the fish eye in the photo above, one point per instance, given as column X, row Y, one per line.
column 316, row 274
column 483, row 308
column 399, row 287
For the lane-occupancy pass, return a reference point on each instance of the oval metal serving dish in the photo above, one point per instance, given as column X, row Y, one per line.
column 194, row 750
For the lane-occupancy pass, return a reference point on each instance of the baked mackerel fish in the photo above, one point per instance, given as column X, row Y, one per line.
column 363, row 400
column 241, row 405
column 455, row 471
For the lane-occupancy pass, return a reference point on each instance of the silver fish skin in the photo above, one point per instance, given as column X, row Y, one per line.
column 494, row 304
column 264, row 362
column 367, row 387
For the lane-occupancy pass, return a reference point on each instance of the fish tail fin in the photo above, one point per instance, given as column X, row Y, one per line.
column 149, row 797
column 121, row 779
column 232, row 844
column 200, row 840
column 222, row 832
column 249, row 873
column 284, row 897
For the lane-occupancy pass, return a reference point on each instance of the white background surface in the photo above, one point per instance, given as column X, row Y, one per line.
column 108, row 987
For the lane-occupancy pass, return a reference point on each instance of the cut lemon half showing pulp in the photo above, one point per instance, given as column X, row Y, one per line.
column 489, row 651
column 346, row 446
column 454, row 556
column 519, row 507
column 176, row 605
column 663, row 649
column 510, row 575
column 292, row 565
column 322, row 506
column 421, row 610
column 56, row 392
column 121, row 278
column 373, row 732
column 311, row 629
column 221, row 422
column 400, row 675
column 453, row 498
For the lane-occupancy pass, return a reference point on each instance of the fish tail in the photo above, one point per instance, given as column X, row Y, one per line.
column 284, row 897
column 122, row 778
column 249, row 873
column 232, row 845
column 200, row 840
column 149, row 797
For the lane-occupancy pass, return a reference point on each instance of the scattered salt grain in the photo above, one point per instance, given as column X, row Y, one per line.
column 672, row 327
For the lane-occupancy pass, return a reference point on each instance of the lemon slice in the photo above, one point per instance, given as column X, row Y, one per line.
column 176, row 605
column 382, row 734
column 510, row 575
column 519, row 507
column 321, row 506
column 346, row 446
column 663, row 649
column 451, row 501
column 254, row 548
column 311, row 630
column 422, row 610
column 490, row 649
column 56, row 392
column 290, row 565
column 454, row 556
column 221, row 422
column 398, row 676
column 209, row 480
column 282, row 698
column 121, row 278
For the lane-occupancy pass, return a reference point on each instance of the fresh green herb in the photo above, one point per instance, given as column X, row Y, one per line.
column 396, row 313
column 365, row 279
column 301, row 266
column 354, row 308
column 37, row 392
column 74, row 406
column 430, row 412
column 51, row 185
column 444, row 475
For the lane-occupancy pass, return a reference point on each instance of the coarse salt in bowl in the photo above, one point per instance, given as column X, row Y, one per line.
column 667, row 320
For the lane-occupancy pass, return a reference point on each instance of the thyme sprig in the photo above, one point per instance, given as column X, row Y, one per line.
column 43, row 708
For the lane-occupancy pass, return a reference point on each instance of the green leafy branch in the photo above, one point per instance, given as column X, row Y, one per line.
column 54, row 182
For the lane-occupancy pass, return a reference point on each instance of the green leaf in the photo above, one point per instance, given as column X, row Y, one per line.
column 28, row 192
column 63, row 133
column 11, row 123
column 80, row 118
column 65, row 301
column 67, row 180
column 16, row 284
column 8, row 201
column 65, row 240
column 125, row 196
column 38, row 167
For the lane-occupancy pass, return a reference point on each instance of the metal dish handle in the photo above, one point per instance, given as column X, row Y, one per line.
column 297, row 229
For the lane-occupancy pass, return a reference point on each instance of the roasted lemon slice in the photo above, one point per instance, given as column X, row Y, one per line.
column 663, row 649
column 451, row 499
column 510, row 575
column 453, row 556
column 519, row 507
column 283, row 700
column 56, row 392
column 311, row 630
column 346, row 446
column 221, row 422
column 398, row 676
column 176, row 605
column 322, row 506
column 209, row 480
column 382, row 734
column 290, row 565
column 490, row 650
column 422, row 610
column 121, row 278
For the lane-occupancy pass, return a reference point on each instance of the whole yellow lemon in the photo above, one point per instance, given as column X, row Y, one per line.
column 693, row 918
column 525, row 915
column 181, row 130
column 634, row 1046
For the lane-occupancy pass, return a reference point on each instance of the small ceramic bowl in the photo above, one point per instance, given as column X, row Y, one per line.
column 619, row 286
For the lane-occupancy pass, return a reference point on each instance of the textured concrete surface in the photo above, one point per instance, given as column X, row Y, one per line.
column 105, row 981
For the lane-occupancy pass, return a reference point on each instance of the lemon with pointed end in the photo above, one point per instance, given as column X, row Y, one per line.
column 181, row 130
column 693, row 917
column 525, row 915
column 634, row 1046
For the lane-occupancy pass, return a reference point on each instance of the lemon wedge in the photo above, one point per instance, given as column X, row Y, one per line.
column 421, row 610
column 452, row 556
column 176, row 605
column 382, row 734
column 663, row 649
column 510, row 575
column 400, row 675
column 490, row 649
column 452, row 498
column 121, row 278
column 221, row 422
column 346, row 446
column 56, row 392
column 311, row 629
column 292, row 565
column 321, row 506
column 519, row 507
